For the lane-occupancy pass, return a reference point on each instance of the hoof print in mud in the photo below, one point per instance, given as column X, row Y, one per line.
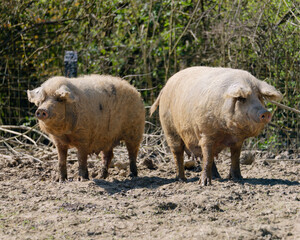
column 167, row 206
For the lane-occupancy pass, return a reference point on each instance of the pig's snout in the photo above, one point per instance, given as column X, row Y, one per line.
column 42, row 114
column 264, row 116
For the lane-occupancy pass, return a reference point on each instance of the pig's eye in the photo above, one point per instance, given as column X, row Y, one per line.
column 241, row 99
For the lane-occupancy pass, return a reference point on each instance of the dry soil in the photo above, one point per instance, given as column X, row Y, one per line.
column 264, row 205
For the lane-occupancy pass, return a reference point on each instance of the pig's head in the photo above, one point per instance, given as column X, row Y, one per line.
column 55, row 107
column 244, row 106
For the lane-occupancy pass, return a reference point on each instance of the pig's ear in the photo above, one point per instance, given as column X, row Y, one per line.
column 36, row 96
column 238, row 90
column 269, row 92
column 66, row 93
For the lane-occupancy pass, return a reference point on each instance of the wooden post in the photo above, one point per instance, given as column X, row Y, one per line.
column 70, row 60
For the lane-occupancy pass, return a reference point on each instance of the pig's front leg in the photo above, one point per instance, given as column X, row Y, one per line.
column 235, row 171
column 208, row 160
column 62, row 162
column 82, row 165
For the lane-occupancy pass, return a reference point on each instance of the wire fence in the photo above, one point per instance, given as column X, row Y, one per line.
column 277, row 137
column 146, row 49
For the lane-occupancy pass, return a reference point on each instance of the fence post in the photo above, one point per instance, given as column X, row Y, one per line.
column 70, row 60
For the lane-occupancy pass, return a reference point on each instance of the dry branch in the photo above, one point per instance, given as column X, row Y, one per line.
column 285, row 107
column 18, row 135
column 32, row 157
column 20, row 140
column 29, row 129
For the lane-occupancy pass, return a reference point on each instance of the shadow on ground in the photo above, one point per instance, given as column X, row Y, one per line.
column 138, row 182
column 264, row 181
column 117, row 186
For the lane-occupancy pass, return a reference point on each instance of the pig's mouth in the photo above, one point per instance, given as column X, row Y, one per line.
column 262, row 116
column 265, row 117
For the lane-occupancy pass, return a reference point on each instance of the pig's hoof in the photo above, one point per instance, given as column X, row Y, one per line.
column 205, row 181
column 133, row 171
column 82, row 179
column 133, row 175
column 235, row 175
column 60, row 179
column 104, row 173
column 83, row 175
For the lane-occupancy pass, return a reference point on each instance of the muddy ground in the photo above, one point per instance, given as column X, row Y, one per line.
column 265, row 205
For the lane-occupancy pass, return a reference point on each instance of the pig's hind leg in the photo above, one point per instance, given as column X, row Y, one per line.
column 178, row 153
column 132, row 148
column 177, row 147
column 208, row 159
column 106, row 157
column 235, row 171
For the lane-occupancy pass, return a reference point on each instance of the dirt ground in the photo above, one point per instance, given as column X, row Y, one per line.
column 265, row 205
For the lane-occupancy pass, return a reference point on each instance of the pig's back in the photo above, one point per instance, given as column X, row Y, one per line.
column 109, row 110
column 184, row 89
column 206, row 84
column 101, row 93
column 192, row 98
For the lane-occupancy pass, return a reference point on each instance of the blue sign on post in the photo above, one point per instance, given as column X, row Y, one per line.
column 70, row 60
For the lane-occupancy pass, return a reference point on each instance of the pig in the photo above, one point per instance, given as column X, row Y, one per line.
column 92, row 113
column 205, row 110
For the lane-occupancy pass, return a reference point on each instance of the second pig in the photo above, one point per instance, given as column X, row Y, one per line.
column 205, row 110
